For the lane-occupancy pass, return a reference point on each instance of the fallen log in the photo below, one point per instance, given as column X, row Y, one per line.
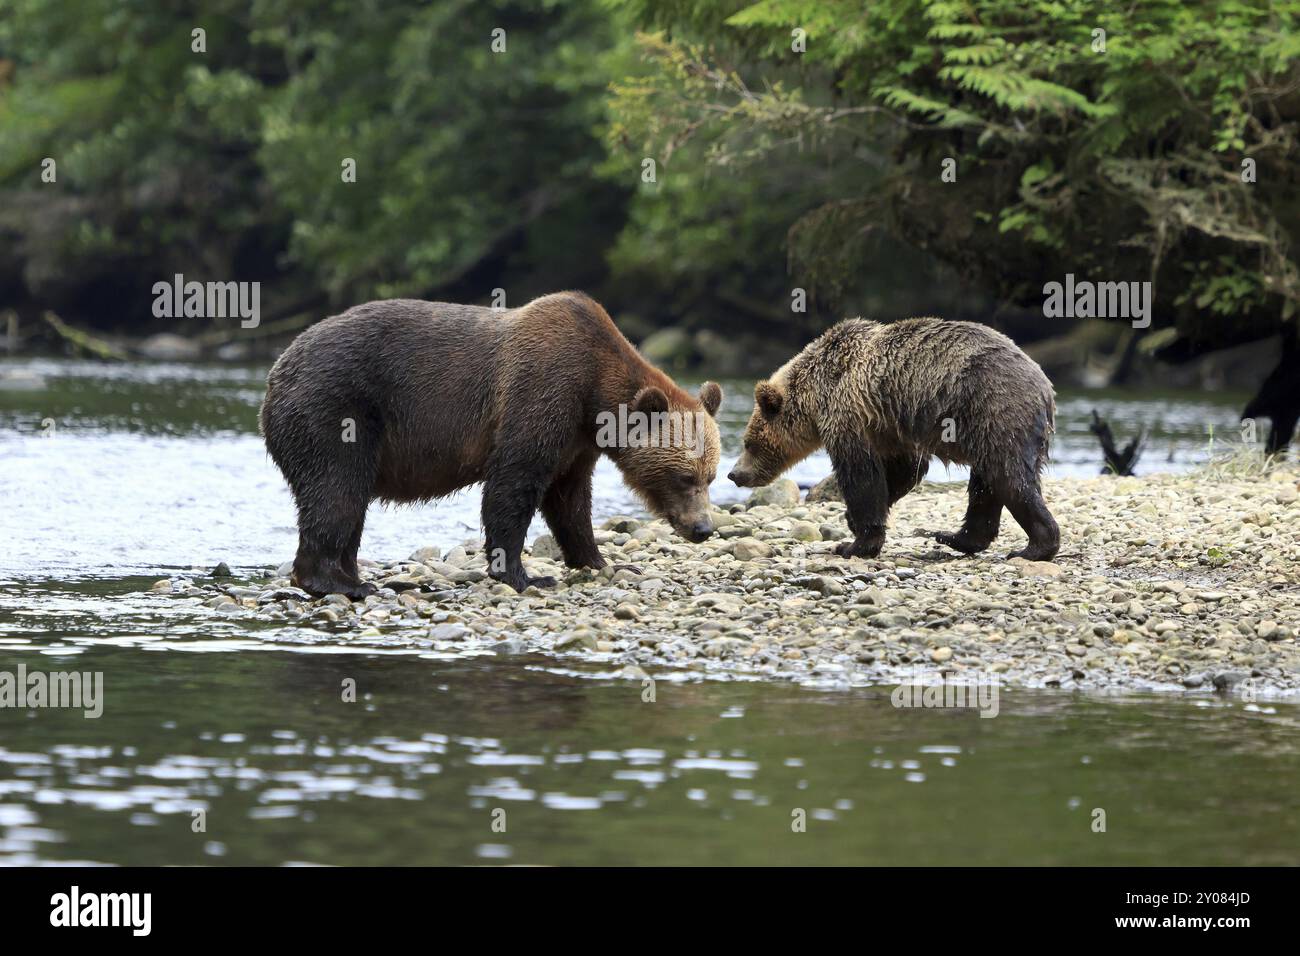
column 82, row 341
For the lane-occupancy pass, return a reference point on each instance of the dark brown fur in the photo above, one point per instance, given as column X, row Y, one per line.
column 883, row 399
column 443, row 396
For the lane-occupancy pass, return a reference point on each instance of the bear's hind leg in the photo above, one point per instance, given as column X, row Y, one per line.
column 350, row 558
column 332, row 482
column 1022, row 493
column 566, row 506
column 866, row 498
column 983, row 515
column 1030, row 511
column 326, row 562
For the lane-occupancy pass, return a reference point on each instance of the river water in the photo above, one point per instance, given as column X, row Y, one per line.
column 222, row 742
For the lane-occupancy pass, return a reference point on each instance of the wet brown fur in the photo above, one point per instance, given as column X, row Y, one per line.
column 882, row 398
column 444, row 396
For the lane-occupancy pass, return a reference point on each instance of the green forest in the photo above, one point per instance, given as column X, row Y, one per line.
column 735, row 175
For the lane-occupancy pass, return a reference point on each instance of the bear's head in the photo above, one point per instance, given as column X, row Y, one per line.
column 670, row 455
column 779, row 435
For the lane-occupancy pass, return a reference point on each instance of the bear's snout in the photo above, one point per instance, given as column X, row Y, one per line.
column 699, row 530
column 740, row 477
column 692, row 529
column 745, row 472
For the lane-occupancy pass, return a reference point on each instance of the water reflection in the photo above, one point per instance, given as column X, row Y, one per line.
column 580, row 770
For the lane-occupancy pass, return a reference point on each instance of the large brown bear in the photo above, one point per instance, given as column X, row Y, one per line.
column 883, row 398
column 404, row 400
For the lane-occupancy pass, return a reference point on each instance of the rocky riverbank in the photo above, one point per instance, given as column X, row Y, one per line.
column 1180, row 582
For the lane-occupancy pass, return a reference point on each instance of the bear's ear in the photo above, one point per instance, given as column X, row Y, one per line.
column 711, row 397
column 770, row 399
column 650, row 400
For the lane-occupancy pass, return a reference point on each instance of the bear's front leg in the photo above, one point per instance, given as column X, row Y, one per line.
column 529, row 454
column 903, row 473
column 509, row 501
column 866, row 497
column 566, row 507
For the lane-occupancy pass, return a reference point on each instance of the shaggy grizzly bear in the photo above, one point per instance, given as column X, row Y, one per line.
column 404, row 400
column 883, row 398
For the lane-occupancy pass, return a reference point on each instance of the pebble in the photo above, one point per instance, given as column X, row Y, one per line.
column 576, row 640
column 1227, row 680
column 1040, row 569
column 783, row 493
column 748, row 549
column 805, row 531
column 449, row 632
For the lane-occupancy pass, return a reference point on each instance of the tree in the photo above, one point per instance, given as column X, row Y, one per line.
column 229, row 153
column 474, row 130
column 1154, row 142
